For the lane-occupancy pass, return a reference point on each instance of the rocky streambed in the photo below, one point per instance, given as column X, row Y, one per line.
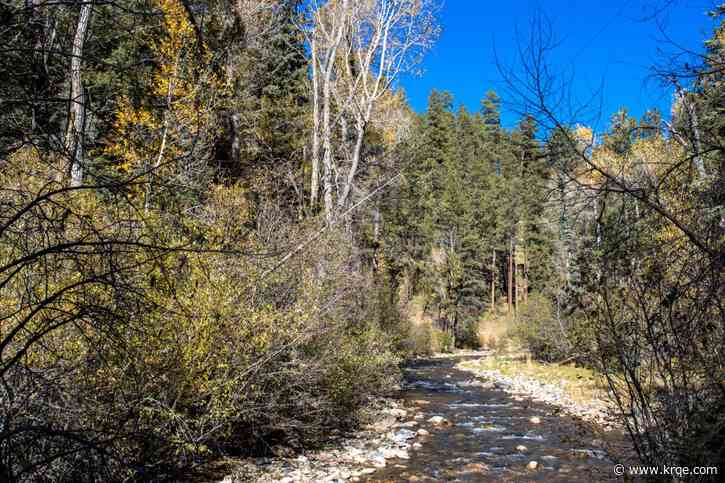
column 451, row 425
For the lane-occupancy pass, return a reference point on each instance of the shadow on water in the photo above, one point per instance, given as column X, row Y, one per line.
column 492, row 437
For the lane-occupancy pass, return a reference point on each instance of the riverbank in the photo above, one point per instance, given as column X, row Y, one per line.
column 454, row 419
column 391, row 431
column 579, row 392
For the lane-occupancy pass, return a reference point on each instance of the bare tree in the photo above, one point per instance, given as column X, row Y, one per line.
column 359, row 50
column 655, row 298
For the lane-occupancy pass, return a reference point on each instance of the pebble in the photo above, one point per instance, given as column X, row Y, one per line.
column 390, row 453
column 423, row 432
column 521, row 448
column 535, row 420
column 532, row 465
column 408, row 424
column 439, row 421
column 398, row 413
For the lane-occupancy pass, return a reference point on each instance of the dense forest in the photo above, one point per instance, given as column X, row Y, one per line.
column 215, row 217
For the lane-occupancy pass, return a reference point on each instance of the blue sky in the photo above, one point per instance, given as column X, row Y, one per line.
column 606, row 41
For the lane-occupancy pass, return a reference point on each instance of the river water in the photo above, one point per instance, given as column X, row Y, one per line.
column 492, row 436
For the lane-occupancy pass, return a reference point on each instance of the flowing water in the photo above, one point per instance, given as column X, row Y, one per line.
column 489, row 428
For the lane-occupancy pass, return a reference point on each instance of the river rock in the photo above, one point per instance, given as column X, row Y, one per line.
column 532, row 465
column 535, row 420
column 390, row 453
column 439, row 421
column 423, row 432
column 398, row 413
column 403, row 435
column 521, row 448
column 408, row 424
column 378, row 459
column 383, row 424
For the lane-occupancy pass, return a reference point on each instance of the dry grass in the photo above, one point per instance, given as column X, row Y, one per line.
column 494, row 331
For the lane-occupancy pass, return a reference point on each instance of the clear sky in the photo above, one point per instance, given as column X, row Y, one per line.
column 605, row 41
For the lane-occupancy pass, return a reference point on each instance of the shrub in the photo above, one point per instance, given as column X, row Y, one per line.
column 419, row 339
column 442, row 341
column 171, row 356
column 550, row 338
column 467, row 335
column 495, row 330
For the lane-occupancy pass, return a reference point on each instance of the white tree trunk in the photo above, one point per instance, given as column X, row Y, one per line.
column 77, row 110
column 315, row 180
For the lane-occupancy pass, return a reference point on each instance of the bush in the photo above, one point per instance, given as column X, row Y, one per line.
column 419, row 341
column 164, row 358
column 442, row 341
column 495, row 330
column 467, row 335
column 547, row 338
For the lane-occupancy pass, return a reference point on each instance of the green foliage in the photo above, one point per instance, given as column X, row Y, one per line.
column 147, row 324
column 537, row 328
column 472, row 189
column 442, row 341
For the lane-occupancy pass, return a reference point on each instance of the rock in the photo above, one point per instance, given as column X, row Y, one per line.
column 403, row 435
column 390, row 453
column 408, row 424
column 383, row 424
column 398, row 413
column 532, row 465
column 475, row 468
column 419, row 416
column 535, row 420
column 286, row 479
column 417, row 445
column 355, row 479
column 378, row 459
column 423, row 432
column 420, row 402
column 521, row 448
column 439, row 421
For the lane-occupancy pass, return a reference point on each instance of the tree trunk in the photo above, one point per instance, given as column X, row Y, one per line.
column 315, row 181
column 77, row 110
column 359, row 137
column 517, row 279
column 510, row 276
column 493, row 281
column 526, row 280
column 326, row 112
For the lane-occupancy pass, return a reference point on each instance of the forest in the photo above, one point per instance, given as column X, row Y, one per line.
column 216, row 215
